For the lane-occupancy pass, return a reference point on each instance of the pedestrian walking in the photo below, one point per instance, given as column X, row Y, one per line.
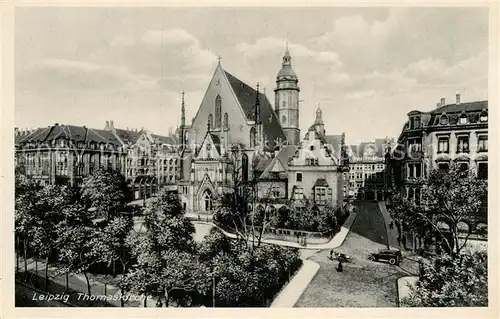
column 340, row 267
column 391, row 225
column 331, row 253
column 404, row 241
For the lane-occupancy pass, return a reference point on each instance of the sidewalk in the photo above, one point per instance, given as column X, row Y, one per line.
column 335, row 242
column 392, row 234
column 288, row 297
column 78, row 283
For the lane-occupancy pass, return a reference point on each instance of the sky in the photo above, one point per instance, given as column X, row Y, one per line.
column 365, row 67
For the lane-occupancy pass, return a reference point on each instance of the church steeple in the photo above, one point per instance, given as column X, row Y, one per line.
column 319, row 117
column 183, row 112
column 287, row 58
column 287, row 99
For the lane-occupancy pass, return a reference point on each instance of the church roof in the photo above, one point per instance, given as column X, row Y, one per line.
column 246, row 97
column 287, row 71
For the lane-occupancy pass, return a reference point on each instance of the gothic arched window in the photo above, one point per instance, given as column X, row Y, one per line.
column 253, row 137
column 218, row 114
column 244, row 167
column 283, row 119
column 207, row 198
column 226, row 121
column 210, row 122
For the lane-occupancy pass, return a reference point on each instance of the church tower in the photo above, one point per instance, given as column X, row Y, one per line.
column 287, row 100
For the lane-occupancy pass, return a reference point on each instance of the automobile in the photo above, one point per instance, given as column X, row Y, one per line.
column 392, row 256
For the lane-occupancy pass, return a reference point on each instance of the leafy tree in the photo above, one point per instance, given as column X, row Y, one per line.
column 110, row 244
column 74, row 239
column 448, row 281
column 167, row 242
column 50, row 203
column 452, row 196
column 106, row 191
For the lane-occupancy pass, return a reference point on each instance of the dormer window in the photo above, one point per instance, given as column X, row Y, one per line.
column 462, row 119
column 444, row 120
column 484, row 116
column 417, row 121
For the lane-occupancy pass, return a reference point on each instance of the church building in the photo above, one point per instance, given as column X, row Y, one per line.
column 235, row 135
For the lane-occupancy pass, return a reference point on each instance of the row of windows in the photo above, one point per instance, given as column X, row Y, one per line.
column 462, row 144
column 369, row 167
column 463, row 119
column 312, row 162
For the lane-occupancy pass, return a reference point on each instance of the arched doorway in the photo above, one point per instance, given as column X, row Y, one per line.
column 207, row 201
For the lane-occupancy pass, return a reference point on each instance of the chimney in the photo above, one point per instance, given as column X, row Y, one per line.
column 107, row 125
column 112, row 127
column 442, row 101
column 457, row 98
column 16, row 131
column 438, row 104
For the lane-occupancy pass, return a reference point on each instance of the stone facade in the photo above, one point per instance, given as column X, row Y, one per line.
column 451, row 133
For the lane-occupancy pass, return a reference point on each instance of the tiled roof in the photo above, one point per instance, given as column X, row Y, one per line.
column 128, row 136
column 462, row 107
column 335, row 142
column 71, row 132
column 161, row 139
column 246, row 96
column 283, row 156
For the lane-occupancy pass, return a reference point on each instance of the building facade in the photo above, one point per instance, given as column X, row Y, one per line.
column 451, row 133
column 237, row 136
column 62, row 154
column 67, row 153
column 367, row 169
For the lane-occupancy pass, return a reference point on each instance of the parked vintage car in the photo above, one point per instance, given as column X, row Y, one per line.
column 392, row 256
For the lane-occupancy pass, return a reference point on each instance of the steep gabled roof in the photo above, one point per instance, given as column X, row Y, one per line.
column 282, row 157
column 246, row 96
column 335, row 142
column 128, row 136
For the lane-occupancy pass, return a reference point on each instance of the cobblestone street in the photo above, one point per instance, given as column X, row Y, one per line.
column 363, row 283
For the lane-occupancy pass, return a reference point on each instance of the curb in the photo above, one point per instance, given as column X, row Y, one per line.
column 291, row 293
column 336, row 241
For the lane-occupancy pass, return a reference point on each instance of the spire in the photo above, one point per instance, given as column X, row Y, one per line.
column 183, row 112
column 287, row 59
column 257, row 106
column 219, row 58
column 319, row 116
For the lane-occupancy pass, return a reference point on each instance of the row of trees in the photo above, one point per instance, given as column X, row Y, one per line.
column 79, row 229
column 72, row 227
column 455, row 276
